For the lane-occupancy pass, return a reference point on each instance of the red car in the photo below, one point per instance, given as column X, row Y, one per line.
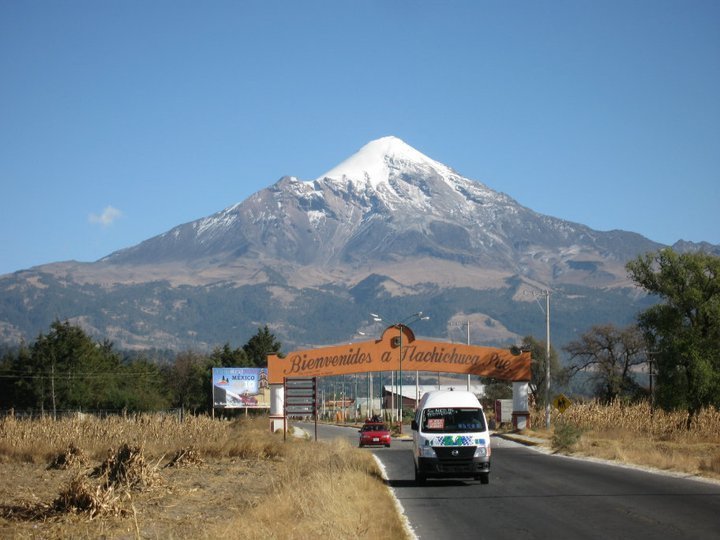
column 374, row 433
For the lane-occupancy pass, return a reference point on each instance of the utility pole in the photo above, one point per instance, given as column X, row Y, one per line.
column 546, row 294
column 547, row 358
column 52, row 388
column 651, row 374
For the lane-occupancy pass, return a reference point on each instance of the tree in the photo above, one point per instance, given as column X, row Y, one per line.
column 494, row 390
column 189, row 380
column 683, row 330
column 609, row 354
column 260, row 345
column 66, row 369
column 18, row 387
column 226, row 357
column 70, row 370
column 143, row 387
column 538, row 367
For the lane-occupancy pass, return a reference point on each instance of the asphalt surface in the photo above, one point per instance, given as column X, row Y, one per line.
column 537, row 495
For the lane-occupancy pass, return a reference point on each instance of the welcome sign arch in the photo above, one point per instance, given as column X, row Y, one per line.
column 396, row 350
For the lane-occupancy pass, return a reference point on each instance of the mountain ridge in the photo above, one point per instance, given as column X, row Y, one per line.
column 358, row 213
column 419, row 228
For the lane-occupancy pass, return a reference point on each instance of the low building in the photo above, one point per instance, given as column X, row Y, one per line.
column 411, row 394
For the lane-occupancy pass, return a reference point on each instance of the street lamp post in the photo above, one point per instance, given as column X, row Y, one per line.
column 417, row 316
column 417, row 388
column 368, row 407
column 467, row 324
column 368, row 414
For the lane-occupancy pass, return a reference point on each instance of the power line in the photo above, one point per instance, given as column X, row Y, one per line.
column 79, row 375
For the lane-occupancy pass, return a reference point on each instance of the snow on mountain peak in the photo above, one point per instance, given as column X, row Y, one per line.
column 371, row 162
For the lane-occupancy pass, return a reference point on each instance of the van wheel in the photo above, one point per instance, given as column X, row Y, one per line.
column 484, row 478
column 419, row 477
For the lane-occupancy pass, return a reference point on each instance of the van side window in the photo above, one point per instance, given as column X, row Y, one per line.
column 452, row 420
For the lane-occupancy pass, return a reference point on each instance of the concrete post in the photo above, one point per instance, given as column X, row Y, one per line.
column 277, row 407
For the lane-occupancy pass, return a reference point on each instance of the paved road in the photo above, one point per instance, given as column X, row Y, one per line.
column 535, row 495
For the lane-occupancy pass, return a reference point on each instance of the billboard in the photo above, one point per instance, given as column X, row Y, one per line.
column 240, row 387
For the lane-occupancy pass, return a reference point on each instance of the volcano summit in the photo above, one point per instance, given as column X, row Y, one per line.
column 388, row 229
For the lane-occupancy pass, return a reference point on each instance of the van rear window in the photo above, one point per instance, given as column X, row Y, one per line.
column 452, row 420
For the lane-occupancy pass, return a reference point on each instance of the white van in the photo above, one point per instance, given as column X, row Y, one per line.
column 451, row 437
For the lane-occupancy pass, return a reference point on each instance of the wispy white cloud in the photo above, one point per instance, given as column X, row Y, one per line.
column 108, row 216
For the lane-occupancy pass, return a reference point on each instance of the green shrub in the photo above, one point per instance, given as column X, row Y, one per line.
column 565, row 437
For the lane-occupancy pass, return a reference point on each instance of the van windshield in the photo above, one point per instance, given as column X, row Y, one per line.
column 452, row 420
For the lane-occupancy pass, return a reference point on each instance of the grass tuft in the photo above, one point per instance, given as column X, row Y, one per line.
column 80, row 497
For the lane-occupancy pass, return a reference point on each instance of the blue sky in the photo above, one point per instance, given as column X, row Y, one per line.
column 123, row 118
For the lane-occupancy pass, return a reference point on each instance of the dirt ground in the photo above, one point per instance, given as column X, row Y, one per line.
column 182, row 502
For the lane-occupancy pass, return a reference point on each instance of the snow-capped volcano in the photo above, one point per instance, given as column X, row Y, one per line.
column 389, row 229
column 386, row 203
column 373, row 162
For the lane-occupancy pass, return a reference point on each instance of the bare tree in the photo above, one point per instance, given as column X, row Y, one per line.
column 538, row 353
column 610, row 355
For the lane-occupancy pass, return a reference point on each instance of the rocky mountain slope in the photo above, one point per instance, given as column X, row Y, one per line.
column 384, row 204
column 389, row 230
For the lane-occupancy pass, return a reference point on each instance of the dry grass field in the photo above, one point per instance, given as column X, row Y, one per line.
column 155, row 477
column 637, row 434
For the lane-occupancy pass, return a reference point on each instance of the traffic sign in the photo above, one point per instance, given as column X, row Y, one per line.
column 300, row 396
column 300, row 383
column 300, row 409
column 300, row 392
column 299, row 400
column 561, row 402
